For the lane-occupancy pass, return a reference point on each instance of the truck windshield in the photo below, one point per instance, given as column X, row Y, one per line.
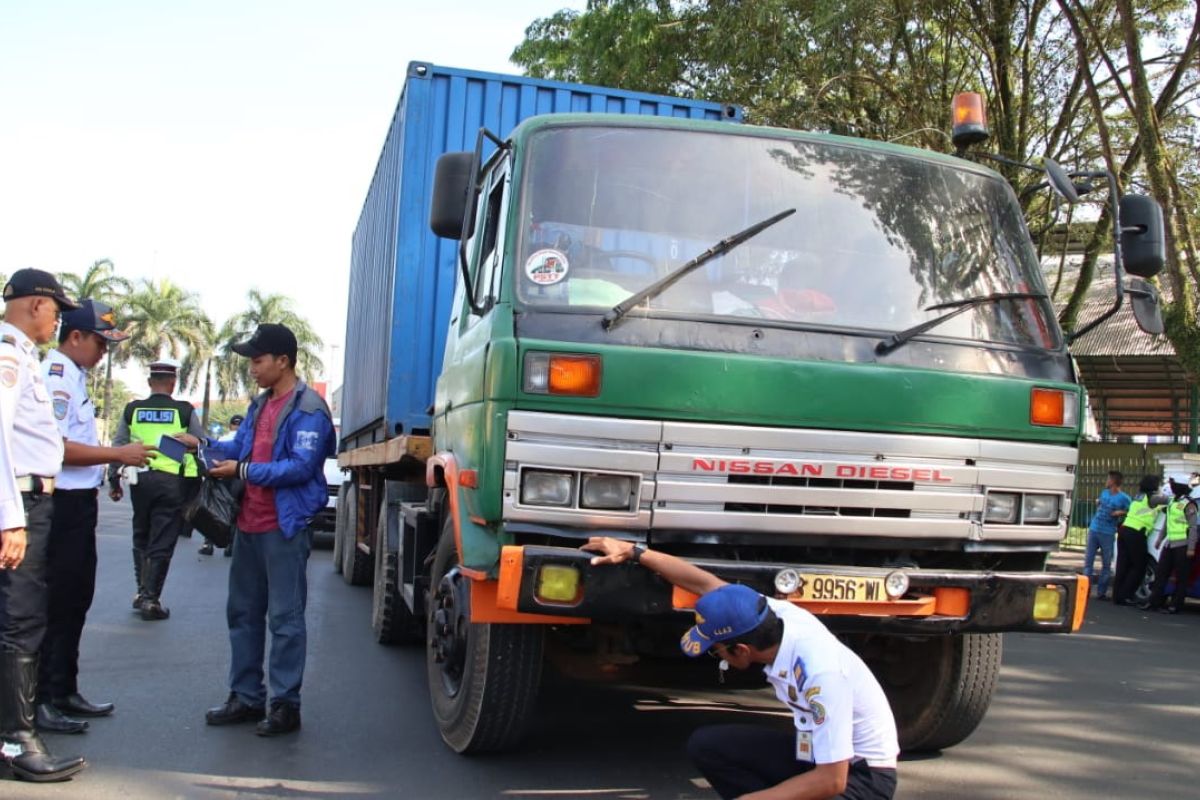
column 878, row 236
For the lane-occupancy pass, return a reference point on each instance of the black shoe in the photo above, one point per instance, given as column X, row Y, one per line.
column 229, row 551
column 1169, row 610
column 1145, row 606
column 28, row 759
column 50, row 720
column 206, row 549
column 137, row 601
column 78, row 705
column 233, row 712
column 152, row 609
column 284, row 718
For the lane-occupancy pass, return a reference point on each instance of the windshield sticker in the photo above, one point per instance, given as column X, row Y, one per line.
column 546, row 267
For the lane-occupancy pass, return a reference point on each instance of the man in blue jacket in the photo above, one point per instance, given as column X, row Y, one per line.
column 279, row 452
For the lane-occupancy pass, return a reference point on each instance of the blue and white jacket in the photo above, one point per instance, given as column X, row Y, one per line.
column 304, row 438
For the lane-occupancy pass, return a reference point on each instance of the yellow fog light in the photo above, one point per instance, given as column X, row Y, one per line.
column 1048, row 603
column 558, row 584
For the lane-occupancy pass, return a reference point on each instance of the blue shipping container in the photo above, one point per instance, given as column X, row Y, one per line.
column 401, row 275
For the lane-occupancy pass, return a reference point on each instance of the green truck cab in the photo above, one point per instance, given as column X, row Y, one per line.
column 823, row 367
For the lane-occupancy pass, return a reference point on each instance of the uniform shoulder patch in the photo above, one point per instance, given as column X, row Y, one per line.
column 56, row 369
column 8, row 339
column 60, row 406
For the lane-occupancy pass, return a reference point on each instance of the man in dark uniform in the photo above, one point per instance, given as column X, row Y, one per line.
column 31, row 454
column 83, row 339
column 158, row 492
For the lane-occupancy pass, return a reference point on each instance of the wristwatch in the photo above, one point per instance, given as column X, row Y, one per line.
column 635, row 555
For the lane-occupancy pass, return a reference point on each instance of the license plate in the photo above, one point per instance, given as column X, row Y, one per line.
column 840, row 589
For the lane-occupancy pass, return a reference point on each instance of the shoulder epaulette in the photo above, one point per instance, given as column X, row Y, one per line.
column 7, row 339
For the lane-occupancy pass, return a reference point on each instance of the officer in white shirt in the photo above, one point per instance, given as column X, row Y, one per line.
column 845, row 742
column 83, row 340
column 31, row 453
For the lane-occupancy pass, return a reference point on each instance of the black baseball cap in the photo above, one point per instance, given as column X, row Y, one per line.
column 94, row 316
column 269, row 339
column 37, row 283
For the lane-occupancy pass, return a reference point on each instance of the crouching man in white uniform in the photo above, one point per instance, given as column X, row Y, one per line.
column 844, row 744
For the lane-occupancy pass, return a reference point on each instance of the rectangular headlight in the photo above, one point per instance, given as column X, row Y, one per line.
column 1039, row 509
column 543, row 488
column 602, row 491
column 1002, row 507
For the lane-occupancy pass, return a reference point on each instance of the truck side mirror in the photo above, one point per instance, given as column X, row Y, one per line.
column 451, row 193
column 1143, row 242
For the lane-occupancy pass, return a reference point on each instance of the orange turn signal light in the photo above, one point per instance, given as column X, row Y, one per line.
column 1054, row 407
column 576, row 375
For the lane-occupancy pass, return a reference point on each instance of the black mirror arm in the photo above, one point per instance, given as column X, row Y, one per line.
column 1118, row 268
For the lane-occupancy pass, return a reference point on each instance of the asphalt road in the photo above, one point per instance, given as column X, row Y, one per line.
column 1110, row 712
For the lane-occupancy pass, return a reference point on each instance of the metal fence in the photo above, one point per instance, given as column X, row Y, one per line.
column 1096, row 460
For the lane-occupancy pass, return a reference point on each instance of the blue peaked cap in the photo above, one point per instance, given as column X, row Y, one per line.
column 723, row 614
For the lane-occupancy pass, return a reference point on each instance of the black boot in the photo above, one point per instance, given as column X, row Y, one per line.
column 206, row 549
column 139, row 560
column 156, row 576
column 21, row 749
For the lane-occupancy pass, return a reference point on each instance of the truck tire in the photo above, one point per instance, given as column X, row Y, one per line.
column 940, row 687
column 391, row 619
column 483, row 678
column 357, row 566
column 339, row 527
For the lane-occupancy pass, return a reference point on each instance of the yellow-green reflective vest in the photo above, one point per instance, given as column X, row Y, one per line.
column 1141, row 515
column 1177, row 521
column 150, row 420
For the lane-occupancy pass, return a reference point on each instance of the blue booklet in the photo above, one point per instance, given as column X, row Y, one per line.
column 172, row 448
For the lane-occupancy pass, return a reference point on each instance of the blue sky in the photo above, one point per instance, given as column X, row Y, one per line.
column 223, row 144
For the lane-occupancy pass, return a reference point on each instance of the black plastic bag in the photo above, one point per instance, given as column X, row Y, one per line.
column 214, row 510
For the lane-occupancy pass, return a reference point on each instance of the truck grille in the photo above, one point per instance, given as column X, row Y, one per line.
column 699, row 477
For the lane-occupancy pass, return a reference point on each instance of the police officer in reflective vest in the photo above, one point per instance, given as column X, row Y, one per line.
column 1178, row 550
column 1131, row 540
column 31, row 454
column 158, row 491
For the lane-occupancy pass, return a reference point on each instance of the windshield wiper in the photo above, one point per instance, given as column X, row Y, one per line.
column 897, row 339
column 665, row 282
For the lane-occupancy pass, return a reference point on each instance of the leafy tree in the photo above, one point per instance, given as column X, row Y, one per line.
column 164, row 320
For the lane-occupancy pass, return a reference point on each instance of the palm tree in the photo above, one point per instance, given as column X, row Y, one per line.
column 209, row 360
column 101, row 282
column 164, row 320
column 262, row 308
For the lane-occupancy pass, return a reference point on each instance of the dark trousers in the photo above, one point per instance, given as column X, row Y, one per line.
column 191, row 488
column 23, row 590
column 739, row 759
column 71, row 583
column 1131, row 564
column 156, row 497
column 1171, row 560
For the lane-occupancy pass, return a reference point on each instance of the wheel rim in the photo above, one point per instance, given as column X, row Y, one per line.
column 449, row 620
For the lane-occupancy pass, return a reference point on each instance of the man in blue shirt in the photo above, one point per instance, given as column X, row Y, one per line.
column 1111, row 508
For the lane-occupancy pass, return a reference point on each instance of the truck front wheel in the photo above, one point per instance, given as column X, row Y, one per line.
column 939, row 688
column 483, row 678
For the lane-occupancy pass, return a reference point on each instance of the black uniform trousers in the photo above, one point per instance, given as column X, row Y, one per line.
column 23, row 590
column 1131, row 564
column 739, row 759
column 71, row 582
column 157, row 499
column 1171, row 560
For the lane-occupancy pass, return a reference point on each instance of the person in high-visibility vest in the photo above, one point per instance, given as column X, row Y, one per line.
column 157, row 492
column 1131, row 539
column 1179, row 538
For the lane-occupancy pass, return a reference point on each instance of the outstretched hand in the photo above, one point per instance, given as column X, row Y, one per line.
column 612, row 551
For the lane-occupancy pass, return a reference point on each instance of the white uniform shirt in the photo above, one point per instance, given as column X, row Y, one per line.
column 30, row 443
column 840, row 710
column 76, row 416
